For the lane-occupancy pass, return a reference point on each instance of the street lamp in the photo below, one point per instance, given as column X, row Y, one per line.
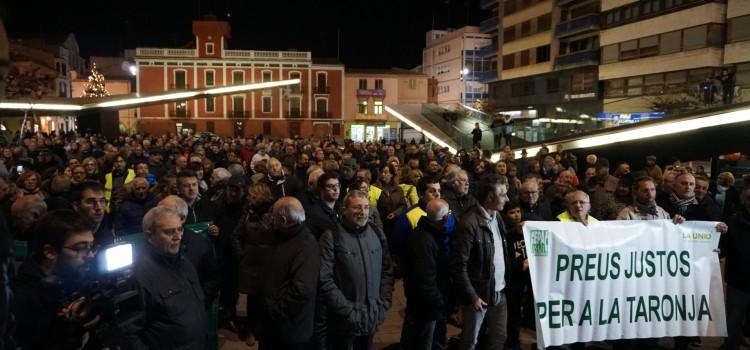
column 464, row 77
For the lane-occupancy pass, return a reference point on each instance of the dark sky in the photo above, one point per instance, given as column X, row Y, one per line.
column 374, row 34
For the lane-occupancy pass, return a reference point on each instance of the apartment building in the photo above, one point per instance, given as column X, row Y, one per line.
column 453, row 59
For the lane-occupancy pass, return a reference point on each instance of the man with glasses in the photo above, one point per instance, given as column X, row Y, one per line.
column 323, row 213
column 578, row 209
column 174, row 309
column 356, row 280
column 457, row 192
column 89, row 202
column 47, row 316
column 531, row 208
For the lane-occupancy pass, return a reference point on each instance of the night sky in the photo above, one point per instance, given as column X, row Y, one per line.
column 374, row 34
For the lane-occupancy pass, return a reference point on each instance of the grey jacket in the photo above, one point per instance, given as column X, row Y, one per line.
column 356, row 279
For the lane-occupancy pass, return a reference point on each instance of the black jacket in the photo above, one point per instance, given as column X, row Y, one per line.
column 173, row 301
column 427, row 274
column 458, row 204
column 129, row 216
column 199, row 252
column 320, row 217
column 472, row 267
column 289, row 186
column 706, row 210
column 252, row 241
column 540, row 212
column 290, row 283
column 356, row 279
column 36, row 306
column 735, row 246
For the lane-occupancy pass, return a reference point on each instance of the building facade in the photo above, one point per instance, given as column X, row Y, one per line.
column 453, row 59
column 314, row 107
column 655, row 54
column 548, row 59
column 369, row 91
column 42, row 68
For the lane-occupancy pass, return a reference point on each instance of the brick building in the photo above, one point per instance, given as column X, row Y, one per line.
column 314, row 107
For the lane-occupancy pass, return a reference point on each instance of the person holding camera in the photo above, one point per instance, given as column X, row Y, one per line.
column 174, row 311
column 49, row 310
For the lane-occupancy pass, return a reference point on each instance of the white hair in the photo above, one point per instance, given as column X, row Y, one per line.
column 156, row 214
column 235, row 170
column 223, row 174
column 180, row 206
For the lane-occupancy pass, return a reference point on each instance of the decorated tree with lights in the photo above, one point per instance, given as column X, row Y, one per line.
column 96, row 86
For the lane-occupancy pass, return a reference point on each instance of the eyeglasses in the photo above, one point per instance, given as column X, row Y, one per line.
column 84, row 250
column 333, row 186
column 578, row 203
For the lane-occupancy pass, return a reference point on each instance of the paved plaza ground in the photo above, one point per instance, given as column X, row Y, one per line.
column 390, row 332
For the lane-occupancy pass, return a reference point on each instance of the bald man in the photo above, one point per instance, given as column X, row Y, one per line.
column 426, row 279
column 289, row 280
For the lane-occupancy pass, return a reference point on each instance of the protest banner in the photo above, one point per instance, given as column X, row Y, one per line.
column 624, row 280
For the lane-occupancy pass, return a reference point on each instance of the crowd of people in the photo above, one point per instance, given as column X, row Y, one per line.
column 315, row 232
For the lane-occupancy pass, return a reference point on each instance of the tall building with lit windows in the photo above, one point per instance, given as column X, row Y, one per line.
column 548, row 58
column 314, row 107
column 454, row 60
column 658, row 52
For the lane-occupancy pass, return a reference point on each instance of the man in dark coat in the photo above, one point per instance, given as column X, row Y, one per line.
column 129, row 216
column 356, row 276
column 735, row 246
column 426, row 279
column 290, row 281
column 174, row 309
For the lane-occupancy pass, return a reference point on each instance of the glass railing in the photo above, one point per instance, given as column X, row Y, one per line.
column 525, row 133
column 577, row 25
column 577, row 59
column 489, row 25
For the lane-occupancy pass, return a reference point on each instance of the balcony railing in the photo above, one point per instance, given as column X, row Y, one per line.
column 294, row 89
column 238, row 114
column 583, row 58
column 578, row 25
column 178, row 87
column 179, row 113
column 371, row 93
column 322, row 90
column 294, row 114
column 473, row 96
column 487, row 51
column 157, row 52
column 483, row 76
column 489, row 25
column 486, row 4
column 322, row 115
column 280, row 55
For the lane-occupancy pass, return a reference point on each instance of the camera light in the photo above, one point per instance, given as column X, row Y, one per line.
column 118, row 257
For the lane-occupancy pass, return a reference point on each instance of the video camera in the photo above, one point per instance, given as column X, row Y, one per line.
column 110, row 292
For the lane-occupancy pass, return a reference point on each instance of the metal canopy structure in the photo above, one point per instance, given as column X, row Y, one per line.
column 70, row 106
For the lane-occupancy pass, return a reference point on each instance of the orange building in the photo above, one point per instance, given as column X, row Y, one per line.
column 315, row 107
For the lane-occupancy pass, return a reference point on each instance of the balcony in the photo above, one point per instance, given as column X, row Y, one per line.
column 483, row 76
column 322, row 115
column 583, row 58
column 157, row 52
column 578, row 25
column 179, row 113
column 277, row 55
column 370, row 117
column 238, row 114
column 489, row 25
column 294, row 90
column 487, row 51
column 371, row 93
column 294, row 114
column 473, row 96
column 487, row 4
column 178, row 87
column 322, row 90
